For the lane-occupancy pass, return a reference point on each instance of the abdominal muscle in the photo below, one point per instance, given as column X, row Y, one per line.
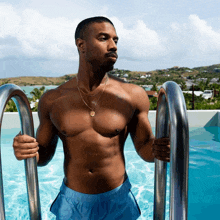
column 94, row 167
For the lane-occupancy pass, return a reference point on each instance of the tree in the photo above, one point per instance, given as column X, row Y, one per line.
column 154, row 88
column 37, row 93
column 67, row 77
column 153, row 103
column 11, row 107
column 183, row 85
column 4, row 82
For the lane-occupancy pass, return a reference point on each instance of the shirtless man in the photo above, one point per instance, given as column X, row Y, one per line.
column 93, row 114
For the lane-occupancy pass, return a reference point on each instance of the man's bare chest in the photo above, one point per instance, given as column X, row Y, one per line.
column 71, row 116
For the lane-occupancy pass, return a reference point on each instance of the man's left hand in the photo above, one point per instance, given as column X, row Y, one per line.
column 161, row 149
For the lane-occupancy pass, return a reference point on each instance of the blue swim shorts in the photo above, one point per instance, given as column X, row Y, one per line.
column 117, row 204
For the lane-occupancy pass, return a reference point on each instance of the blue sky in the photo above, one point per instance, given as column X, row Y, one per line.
column 37, row 36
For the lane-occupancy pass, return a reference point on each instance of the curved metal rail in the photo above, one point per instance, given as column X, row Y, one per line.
column 7, row 92
column 172, row 121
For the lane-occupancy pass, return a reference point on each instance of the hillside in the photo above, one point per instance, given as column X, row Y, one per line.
column 32, row 80
column 156, row 76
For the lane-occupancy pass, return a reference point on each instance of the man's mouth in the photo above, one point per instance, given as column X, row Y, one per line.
column 112, row 54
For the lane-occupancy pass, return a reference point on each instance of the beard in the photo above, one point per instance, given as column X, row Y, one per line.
column 104, row 67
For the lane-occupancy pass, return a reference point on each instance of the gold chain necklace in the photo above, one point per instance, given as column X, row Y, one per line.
column 92, row 112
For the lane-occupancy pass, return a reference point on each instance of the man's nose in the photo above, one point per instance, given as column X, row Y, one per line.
column 112, row 45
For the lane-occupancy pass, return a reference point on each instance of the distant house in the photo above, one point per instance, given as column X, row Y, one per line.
column 196, row 93
column 125, row 79
column 167, row 75
column 214, row 80
column 148, row 75
column 116, row 74
column 201, row 79
column 125, row 75
column 152, row 94
column 189, row 84
column 147, row 87
column 217, row 70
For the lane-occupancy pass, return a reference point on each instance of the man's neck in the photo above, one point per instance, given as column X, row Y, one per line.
column 89, row 79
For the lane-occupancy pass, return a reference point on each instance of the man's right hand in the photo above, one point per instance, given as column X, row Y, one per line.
column 25, row 147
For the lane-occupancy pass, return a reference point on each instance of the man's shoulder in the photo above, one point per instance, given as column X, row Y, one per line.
column 54, row 94
column 129, row 87
column 48, row 98
column 50, row 95
column 137, row 94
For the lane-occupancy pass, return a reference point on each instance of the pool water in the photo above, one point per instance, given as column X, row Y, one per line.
column 204, row 178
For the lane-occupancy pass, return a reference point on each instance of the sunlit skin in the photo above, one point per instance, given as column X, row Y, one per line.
column 93, row 146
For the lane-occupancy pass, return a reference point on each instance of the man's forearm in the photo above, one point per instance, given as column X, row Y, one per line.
column 44, row 157
column 146, row 151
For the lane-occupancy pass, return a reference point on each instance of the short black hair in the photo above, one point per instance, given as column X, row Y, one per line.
column 81, row 27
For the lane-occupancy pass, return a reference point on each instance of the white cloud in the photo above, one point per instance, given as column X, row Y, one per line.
column 205, row 38
column 139, row 42
column 38, row 36
column 193, row 40
column 28, row 33
column 9, row 21
column 53, row 38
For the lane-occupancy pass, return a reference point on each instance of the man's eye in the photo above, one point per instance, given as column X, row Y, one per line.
column 102, row 38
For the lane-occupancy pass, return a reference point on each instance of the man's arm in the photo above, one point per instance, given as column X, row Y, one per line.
column 46, row 136
column 43, row 147
column 141, row 133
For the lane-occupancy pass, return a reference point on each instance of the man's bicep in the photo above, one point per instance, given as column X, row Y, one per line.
column 140, row 129
column 47, row 136
column 142, row 137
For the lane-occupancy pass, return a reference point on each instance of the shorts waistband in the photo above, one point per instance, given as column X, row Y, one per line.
column 83, row 197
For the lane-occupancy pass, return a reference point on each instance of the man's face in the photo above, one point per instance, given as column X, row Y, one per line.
column 101, row 45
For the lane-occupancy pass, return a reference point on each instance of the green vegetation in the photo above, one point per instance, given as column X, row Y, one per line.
column 10, row 107
column 201, row 103
column 153, row 103
column 36, row 95
column 201, row 76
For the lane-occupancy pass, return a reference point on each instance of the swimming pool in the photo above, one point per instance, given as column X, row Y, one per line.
column 204, row 178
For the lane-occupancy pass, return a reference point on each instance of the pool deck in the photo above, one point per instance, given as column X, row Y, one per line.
column 196, row 118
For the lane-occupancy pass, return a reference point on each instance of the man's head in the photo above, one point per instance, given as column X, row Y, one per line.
column 96, row 40
column 83, row 25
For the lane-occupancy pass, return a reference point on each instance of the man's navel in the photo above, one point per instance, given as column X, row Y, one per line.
column 91, row 171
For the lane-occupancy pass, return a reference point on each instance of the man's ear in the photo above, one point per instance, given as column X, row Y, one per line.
column 80, row 43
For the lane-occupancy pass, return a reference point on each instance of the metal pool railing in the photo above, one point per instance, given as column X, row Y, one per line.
column 172, row 121
column 7, row 92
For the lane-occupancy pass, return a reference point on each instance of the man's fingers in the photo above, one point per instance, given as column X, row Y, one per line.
column 27, row 151
column 25, row 156
column 161, row 147
column 166, row 159
column 25, row 145
column 161, row 153
column 21, row 154
column 162, row 141
column 24, row 139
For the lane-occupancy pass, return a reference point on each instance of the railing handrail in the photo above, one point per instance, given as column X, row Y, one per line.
column 7, row 92
column 172, row 121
